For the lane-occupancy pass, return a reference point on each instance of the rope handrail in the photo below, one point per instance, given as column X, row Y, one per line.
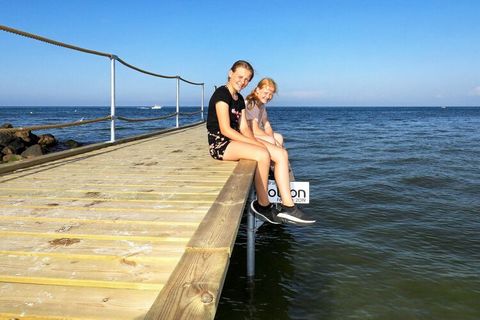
column 112, row 117
column 147, row 119
column 190, row 113
column 191, row 82
column 98, row 53
column 144, row 71
column 156, row 74
column 83, row 122
column 54, row 42
column 56, row 126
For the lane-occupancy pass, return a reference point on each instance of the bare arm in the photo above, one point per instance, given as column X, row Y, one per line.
column 228, row 131
column 244, row 127
column 256, row 129
column 268, row 129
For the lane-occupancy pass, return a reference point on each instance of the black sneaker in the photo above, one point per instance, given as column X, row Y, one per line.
column 265, row 213
column 294, row 215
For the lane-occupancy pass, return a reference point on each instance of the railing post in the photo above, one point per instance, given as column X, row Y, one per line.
column 178, row 98
column 112, row 97
column 251, row 230
column 203, row 98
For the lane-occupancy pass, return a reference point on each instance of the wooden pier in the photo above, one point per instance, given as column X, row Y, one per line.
column 136, row 230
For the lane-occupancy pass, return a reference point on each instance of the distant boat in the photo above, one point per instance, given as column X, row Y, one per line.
column 157, row 107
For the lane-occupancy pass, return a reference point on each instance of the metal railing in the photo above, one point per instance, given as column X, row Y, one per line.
column 112, row 118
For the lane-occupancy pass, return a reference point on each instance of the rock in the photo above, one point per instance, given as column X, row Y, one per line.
column 6, row 126
column 27, row 136
column 47, row 140
column 7, row 150
column 72, row 144
column 32, row 151
column 11, row 157
column 5, row 138
column 17, row 145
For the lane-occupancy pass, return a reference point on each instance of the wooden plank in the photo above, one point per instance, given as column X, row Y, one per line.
column 102, row 193
column 116, row 284
column 126, row 188
column 120, row 247
column 151, row 239
column 134, row 184
column 97, row 211
column 95, row 256
column 196, row 198
column 73, row 228
column 130, row 170
column 194, row 288
column 30, row 301
column 39, row 219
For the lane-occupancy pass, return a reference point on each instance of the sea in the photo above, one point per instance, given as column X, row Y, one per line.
column 396, row 195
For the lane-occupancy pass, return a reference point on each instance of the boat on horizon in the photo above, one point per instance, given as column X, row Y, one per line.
column 157, row 107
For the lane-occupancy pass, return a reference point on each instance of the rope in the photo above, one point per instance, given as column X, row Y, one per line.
column 104, row 54
column 84, row 122
column 189, row 113
column 144, row 71
column 194, row 83
column 56, row 43
column 156, row 74
column 147, row 119
column 56, row 126
column 98, row 53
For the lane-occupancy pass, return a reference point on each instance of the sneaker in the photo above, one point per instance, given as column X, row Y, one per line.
column 265, row 213
column 294, row 215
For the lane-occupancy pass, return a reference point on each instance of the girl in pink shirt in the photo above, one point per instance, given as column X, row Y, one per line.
column 256, row 113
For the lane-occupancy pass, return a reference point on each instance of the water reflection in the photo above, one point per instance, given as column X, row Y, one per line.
column 268, row 296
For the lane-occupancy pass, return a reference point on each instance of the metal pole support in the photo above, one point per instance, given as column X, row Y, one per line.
column 112, row 98
column 178, row 103
column 203, row 98
column 251, row 230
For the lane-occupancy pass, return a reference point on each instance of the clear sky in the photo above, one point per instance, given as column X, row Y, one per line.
column 320, row 52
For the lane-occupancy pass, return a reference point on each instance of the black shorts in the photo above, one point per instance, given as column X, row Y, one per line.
column 217, row 144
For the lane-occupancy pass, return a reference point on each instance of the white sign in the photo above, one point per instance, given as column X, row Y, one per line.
column 300, row 192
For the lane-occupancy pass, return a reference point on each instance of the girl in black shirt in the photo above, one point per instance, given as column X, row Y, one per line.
column 230, row 138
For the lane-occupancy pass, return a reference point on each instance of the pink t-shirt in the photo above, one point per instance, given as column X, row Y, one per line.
column 258, row 113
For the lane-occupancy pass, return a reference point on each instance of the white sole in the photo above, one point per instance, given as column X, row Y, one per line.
column 295, row 219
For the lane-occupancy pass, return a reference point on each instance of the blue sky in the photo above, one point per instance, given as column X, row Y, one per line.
column 321, row 53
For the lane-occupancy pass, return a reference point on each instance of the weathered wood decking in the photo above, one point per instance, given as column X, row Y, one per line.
column 137, row 230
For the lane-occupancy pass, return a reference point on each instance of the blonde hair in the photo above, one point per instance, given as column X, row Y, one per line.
column 252, row 97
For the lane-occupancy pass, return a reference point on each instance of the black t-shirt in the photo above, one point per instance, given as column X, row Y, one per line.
column 235, row 109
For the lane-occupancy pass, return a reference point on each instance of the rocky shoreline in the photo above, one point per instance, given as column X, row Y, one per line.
column 17, row 145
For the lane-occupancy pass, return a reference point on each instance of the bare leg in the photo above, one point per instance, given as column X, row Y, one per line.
column 282, row 177
column 279, row 138
column 266, row 138
column 237, row 150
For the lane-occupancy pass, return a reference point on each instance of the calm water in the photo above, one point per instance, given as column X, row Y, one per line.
column 396, row 194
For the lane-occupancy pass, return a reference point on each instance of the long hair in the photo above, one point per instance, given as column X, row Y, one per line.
column 252, row 99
